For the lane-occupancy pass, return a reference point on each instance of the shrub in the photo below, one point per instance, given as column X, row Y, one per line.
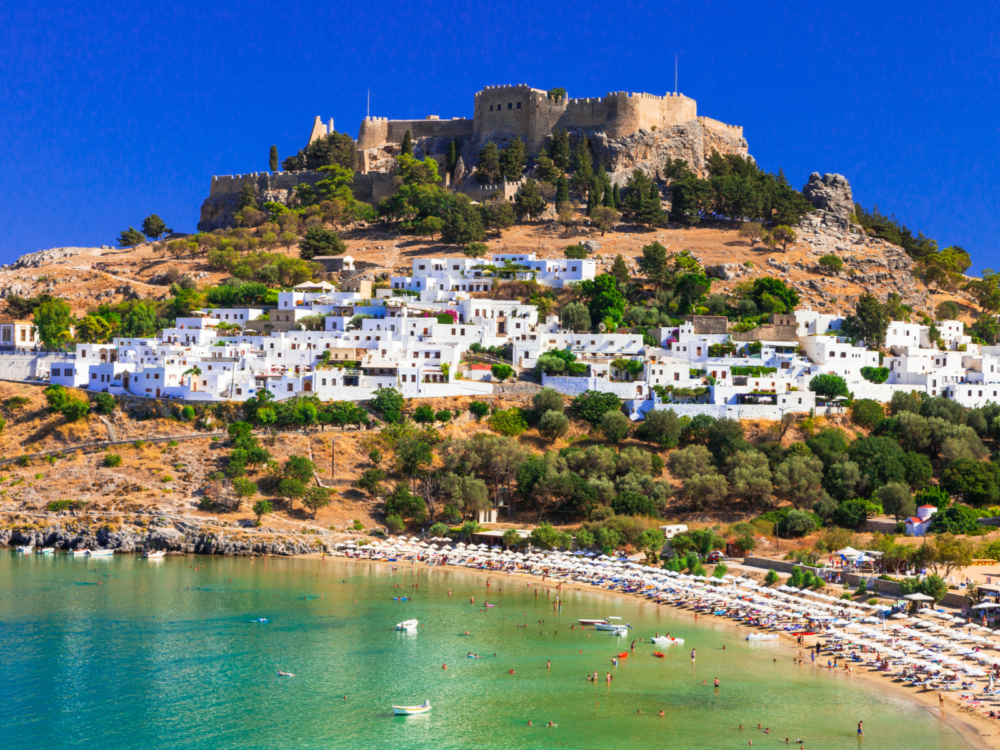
column 772, row 577
column 553, row 425
column 394, row 523
column 290, row 488
column 57, row 505
column 24, row 460
column 262, row 508
column 591, row 406
column 575, row 252
column 439, row 530
column 188, row 413
column 508, row 422
column 75, row 409
column 502, row 372
column 866, row 412
column 424, row 414
column 875, row 374
column 104, row 403
column 479, row 409
column 112, row 460
column 244, row 487
column 831, row 263
column 444, row 415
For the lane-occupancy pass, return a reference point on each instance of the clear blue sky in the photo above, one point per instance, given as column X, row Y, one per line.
column 112, row 111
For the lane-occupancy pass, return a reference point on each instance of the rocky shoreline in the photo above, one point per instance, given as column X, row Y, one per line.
column 179, row 537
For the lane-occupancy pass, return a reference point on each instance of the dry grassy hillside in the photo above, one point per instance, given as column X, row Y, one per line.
column 129, row 272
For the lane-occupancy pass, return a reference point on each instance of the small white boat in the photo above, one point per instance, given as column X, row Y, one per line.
column 620, row 631
column 407, row 625
column 411, row 710
column 26, row 549
column 151, row 555
column 77, row 552
column 664, row 640
column 610, row 624
column 762, row 637
column 593, row 622
column 47, row 551
column 101, row 552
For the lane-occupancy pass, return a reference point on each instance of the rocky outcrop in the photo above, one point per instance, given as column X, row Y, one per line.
column 181, row 537
column 649, row 150
column 830, row 193
column 44, row 257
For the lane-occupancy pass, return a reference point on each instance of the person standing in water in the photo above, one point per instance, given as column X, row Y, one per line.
column 861, row 732
column 692, row 654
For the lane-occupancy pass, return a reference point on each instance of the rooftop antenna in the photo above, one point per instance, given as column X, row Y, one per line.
column 369, row 115
column 675, row 74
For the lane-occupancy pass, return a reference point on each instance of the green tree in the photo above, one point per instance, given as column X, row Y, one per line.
column 784, row 236
column 546, row 169
column 896, row 500
column 140, row 321
column 316, row 498
column 153, row 227
column 559, row 150
column 105, row 403
column 655, row 265
column 272, row 161
column 615, row 427
column 604, row 218
column 451, row 159
column 511, row 538
column 130, row 238
column 528, row 201
column 562, row 191
column 512, row 160
column 92, row 329
column 660, row 426
column 869, row 321
column 620, row 270
column 548, row 399
column 553, row 425
column 575, row 317
column 320, row 241
column 488, row 164
column 502, row 372
column 829, row 386
column 498, row 215
column 575, row 252
column 262, row 508
column 878, row 458
column 247, row 197
column 591, row 406
column 407, row 148
column 52, row 320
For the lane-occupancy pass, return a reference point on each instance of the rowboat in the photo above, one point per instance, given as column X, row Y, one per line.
column 407, row 625
column 762, row 637
column 101, row 552
column 151, row 555
column 593, row 622
column 609, row 624
column 665, row 640
column 77, row 552
column 26, row 549
column 47, row 551
column 411, row 710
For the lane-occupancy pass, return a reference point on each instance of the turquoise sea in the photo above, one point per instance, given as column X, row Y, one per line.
column 124, row 653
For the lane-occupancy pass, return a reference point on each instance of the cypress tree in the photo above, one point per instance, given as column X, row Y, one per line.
column 274, row 159
column 609, row 197
column 451, row 159
column 562, row 191
column 617, row 196
column 407, row 144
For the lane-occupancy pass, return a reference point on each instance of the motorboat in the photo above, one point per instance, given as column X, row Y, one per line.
column 407, row 625
column 26, row 549
column 77, row 552
column 610, row 624
column 620, row 631
column 47, row 551
column 592, row 622
column 666, row 640
column 101, row 552
column 154, row 555
column 762, row 637
column 411, row 710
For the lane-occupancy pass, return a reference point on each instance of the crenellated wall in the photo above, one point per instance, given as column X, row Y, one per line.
column 501, row 113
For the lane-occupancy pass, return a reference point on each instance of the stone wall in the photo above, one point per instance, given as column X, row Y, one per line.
column 375, row 131
column 218, row 210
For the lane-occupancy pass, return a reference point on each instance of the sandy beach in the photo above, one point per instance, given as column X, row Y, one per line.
column 979, row 731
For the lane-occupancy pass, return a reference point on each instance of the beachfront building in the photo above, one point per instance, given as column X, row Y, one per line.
column 920, row 524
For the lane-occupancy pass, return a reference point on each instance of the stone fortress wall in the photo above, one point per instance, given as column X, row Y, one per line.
column 506, row 112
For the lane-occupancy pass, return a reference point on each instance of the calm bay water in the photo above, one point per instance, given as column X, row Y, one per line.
column 163, row 655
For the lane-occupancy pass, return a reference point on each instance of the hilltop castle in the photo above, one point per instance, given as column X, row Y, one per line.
column 501, row 113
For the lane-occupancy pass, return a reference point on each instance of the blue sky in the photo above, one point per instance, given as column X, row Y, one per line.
column 111, row 113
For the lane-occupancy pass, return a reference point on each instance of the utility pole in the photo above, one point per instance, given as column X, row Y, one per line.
column 368, row 115
column 333, row 459
column 675, row 74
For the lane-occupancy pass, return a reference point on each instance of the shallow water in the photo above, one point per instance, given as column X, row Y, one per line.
column 161, row 655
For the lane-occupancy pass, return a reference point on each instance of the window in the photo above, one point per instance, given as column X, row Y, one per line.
column 510, row 105
column 93, row 376
column 677, row 376
column 55, row 373
column 519, row 105
column 289, row 387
